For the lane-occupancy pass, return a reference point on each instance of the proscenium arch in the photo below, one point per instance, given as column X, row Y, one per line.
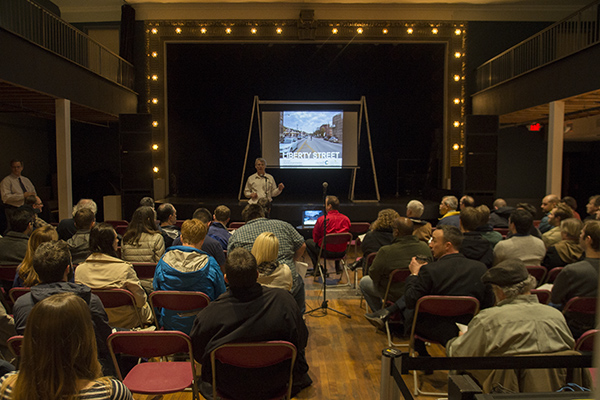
column 160, row 33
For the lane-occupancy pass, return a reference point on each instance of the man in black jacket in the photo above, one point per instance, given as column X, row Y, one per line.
column 474, row 245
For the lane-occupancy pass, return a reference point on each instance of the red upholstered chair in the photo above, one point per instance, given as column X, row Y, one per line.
column 8, row 272
column 187, row 302
column 144, row 270
column 116, row 298
column 583, row 305
column 502, row 231
column 356, row 229
column 235, row 225
column 155, row 378
column 338, row 238
column 117, row 222
column 538, row 272
column 261, row 367
column 444, row 306
column 552, row 274
column 542, row 295
column 14, row 345
column 121, row 229
column 396, row 276
column 17, row 292
column 586, row 341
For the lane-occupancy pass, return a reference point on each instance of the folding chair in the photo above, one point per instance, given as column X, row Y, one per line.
column 538, row 272
column 585, row 343
column 17, row 292
column 117, row 222
column 338, row 238
column 396, row 276
column 116, row 298
column 235, row 225
column 14, row 345
column 260, row 368
column 121, row 229
column 582, row 305
column 144, row 270
column 502, row 231
column 160, row 377
column 357, row 229
column 552, row 274
column 443, row 306
column 543, row 295
column 366, row 265
column 174, row 300
column 8, row 272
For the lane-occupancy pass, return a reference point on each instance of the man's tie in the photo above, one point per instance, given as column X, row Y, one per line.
column 23, row 188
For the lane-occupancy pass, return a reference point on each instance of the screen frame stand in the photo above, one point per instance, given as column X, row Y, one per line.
column 323, row 267
column 363, row 111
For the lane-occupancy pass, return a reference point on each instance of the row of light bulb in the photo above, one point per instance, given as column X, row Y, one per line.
column 335, row 31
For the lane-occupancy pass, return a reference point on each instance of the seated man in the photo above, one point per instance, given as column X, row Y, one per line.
column 499, row 217
column 580, row 279
column 518, row 324
column 13, row 245
column 218, row 227
column 466, row 201
column 52, row 263
column 484, row 228
column 336, row 223
column 34, row 204
column 167, row 218
column 593, row 208
column 249, row 312
column 449, row 215
column 521, row 245
column 548, row 203
column 209, row 245
column 79, row 243
column 66, row 227
column 187, row 268
column 558, row 213
column 474, row 245
column 423, row 229
column 397, row 255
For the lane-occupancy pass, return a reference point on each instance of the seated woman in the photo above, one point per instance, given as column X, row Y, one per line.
column 26, row 275
column 103, row 270
column 59, row 357
column 271, row 272
column 143, row 242
column 379, row 234
column 568, row 250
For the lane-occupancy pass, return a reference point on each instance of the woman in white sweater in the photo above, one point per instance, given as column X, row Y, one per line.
column 142, row 242
column 271, row 272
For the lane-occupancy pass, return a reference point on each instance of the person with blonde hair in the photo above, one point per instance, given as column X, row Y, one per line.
column 26, row 275
column 188, row 268
column 59, row 359
column 142, row 242
column 270, row 272
column 568, row 250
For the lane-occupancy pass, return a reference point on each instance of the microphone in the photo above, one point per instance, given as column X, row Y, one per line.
column 325, row 184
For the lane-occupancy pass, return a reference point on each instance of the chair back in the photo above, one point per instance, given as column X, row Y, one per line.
column 8, row 272
column 179, row 223
column 17, row 292
column 543, row 295
column 338, row 238
column 177, row 301
column 368, row 262
column 396, row 276
column 144, row 270
column 583, row 305
column 586, row 341
column 502, row 231
column 117, row 222
column 538, row 272
column 111, row 298
column 14, row 345
column 236, row 225
column 249, row 364
column 358, row 228
column 553, row 273
column 121, row 229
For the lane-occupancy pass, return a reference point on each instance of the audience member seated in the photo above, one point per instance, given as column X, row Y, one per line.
column 66, row 227
column 558, row 213
column 13, row 246
column 397, row 255
column 580, row 279
column 249, row 312
column 499, row 217
column 549, row 202
column 593, row 208
column 518, row 324
column 7, row 330
column 466, row 201
column 572, row 203
column 474, row 245
column 568, row 250
column 210, row 245
column 380, row 234
column 26, row 275
column 167, row 218
column 187, row 268
column 452, row 274
column 521, row 244
column 291, row 243
column 218, row 227
column 147, row 202
column 142, row 242
column 34, row 204
column 52, row 263
column 448, row 207
column 531, row 210
column 79, row 243
column 103, row 270
column 484, row 228
column 270, row 272
column 414, row 211
column 60, row 356
column 336, row 223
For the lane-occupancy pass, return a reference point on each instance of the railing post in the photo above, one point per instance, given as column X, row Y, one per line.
column 389, row 389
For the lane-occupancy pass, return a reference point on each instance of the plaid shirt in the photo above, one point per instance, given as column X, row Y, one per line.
column 290, row 239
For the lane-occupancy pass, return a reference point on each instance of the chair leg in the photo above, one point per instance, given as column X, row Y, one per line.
column 417, row 391
column 389, row 337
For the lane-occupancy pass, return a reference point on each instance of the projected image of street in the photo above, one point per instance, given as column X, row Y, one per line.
column 311, row 139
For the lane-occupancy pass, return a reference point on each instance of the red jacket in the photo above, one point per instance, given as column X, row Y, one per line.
column 336, row 223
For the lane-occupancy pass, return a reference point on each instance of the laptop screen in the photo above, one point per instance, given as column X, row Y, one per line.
column 309, row 217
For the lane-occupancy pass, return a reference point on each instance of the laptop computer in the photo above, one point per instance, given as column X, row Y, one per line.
column 309, row 218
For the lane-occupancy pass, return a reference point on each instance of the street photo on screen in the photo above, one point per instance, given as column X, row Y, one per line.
column 311, row 139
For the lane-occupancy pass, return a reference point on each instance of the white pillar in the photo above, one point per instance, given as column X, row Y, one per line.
column 63, row 158
column 556, row 131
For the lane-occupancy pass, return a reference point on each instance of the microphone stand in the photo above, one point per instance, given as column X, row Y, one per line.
column 323, row 268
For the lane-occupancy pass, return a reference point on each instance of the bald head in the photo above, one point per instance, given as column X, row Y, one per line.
column 549, row 202
column 402, row 226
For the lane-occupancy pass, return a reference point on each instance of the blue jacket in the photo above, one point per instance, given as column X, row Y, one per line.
column 187, row 269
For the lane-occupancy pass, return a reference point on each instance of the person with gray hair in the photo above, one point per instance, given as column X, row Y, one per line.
column 414, row 211
column 448, row 207
column 261, row 184
column 568, row 250
column 66, row 227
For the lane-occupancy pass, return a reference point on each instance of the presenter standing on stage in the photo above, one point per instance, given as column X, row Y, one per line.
column 261, row 184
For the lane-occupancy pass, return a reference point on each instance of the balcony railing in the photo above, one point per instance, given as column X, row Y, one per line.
column 562, row 39
column 31, row 22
